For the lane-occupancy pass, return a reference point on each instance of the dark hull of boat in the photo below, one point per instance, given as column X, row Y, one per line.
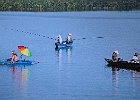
column 123, row 65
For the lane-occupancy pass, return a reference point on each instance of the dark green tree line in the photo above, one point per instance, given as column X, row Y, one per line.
column 68, row 5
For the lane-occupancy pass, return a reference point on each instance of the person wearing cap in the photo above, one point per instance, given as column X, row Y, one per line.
column 69, row 39
column 14, row 56
column 135, row 58
column 114, row 55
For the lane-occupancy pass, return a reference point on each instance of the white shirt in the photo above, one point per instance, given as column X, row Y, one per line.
column 60, row 38
column 68, row 38
column 135, row 58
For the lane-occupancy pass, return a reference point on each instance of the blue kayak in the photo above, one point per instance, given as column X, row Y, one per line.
column 19, row 62
column 61, row 45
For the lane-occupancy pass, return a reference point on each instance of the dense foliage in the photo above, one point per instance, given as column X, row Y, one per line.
column 68, row 5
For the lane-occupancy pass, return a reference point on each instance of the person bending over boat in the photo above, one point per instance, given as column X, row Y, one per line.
column 114, row 55
column 135, row 58
column 14, row 56
column 69, row 39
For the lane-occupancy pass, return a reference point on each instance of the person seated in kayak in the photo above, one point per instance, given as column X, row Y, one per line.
column 114, row 55
column 14, row 56
column 69, row 39
column 135, row 58
column 59, row 39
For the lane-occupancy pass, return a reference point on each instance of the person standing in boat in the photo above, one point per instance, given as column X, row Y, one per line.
column 69, row 39
column 59, row 39
column 135, row 58
column 114, row 55
column 14, row 56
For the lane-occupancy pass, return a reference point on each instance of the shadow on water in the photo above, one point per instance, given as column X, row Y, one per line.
column 60, row 52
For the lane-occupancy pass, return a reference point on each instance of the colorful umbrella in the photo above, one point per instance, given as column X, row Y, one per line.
column 24, row 50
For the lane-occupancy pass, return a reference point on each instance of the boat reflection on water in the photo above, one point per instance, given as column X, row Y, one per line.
column 24, row 78
column 62, row 52
column 64, row 59
column 14, row 70
column 115, row 72
column 115, row 77
column 21, row 74
column 135, row 76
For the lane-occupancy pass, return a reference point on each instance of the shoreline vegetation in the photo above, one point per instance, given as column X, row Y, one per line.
column 68, row 5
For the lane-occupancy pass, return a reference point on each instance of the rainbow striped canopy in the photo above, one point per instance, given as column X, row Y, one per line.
column 24, row 50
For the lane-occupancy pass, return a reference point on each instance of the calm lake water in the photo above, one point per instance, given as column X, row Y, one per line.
column 77, row 73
